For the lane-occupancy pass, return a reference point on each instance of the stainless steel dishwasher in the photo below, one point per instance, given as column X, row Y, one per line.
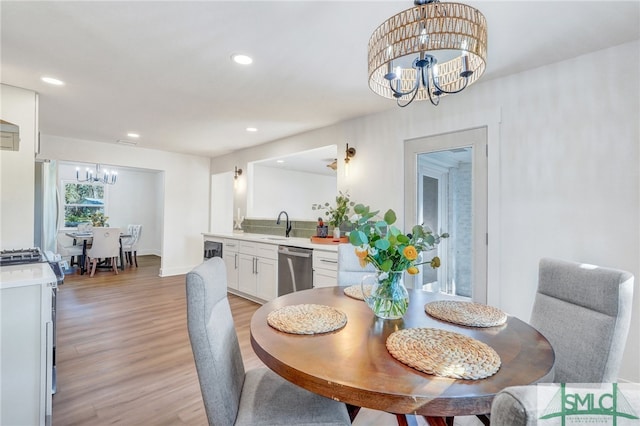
column 295, row 269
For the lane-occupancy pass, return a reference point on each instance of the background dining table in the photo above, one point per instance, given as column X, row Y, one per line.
column 85, row 237
column 353, row 364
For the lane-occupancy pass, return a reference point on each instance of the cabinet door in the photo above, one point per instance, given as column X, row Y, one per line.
column 325, row 268
column 267, row 284
column 25, row 350
column 247, row 274
column 325, row 278
column 231, row 264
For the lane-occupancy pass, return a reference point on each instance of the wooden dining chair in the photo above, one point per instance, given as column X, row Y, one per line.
column 106, row 245
column 584, row 311
column 233, row 396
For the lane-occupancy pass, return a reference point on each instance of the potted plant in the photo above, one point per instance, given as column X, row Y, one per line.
column 336, row 214
column 99, row 219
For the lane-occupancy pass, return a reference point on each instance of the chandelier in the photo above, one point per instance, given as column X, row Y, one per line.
column 108, row 178
column 431, row 50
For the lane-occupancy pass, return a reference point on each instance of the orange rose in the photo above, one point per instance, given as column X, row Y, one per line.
column 410, row 252
column 362, row 257
column 412, row 270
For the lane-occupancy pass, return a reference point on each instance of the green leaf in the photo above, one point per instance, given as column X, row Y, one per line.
column 403, row 239
column 382, row 244
column 394, row 231
column 390, row 217
column 417, row 231
column 386, row 265
column 359, row 209
column 381, row 224
column 358, row 238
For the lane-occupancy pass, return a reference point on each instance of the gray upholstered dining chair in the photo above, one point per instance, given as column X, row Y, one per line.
column 231, row 395
column 584, row 311
column 349, row 270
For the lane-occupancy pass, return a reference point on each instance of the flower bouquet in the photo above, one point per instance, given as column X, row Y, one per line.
column 391, row 252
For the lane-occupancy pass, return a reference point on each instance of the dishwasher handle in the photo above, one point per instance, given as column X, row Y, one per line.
column 285, row 251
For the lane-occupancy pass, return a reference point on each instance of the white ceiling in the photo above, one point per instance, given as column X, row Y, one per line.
column 163, row 69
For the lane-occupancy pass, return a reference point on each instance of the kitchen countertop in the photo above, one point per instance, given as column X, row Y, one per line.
column 275, row 240
column 26, row 274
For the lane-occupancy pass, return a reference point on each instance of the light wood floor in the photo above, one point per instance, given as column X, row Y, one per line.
column 124, row 357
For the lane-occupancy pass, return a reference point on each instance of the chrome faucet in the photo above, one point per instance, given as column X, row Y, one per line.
column 287, row 225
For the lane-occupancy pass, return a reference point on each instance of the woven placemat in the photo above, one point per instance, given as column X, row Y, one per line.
column 355, row 291
column 443, row 353
column 307, row 319
column 466, row 313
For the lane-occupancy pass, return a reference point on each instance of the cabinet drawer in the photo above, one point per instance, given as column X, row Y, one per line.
column 246, row 247
column 325, row 260
column 230, row 246
column 267, row 251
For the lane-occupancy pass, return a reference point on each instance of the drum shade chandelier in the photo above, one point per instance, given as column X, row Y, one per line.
column 431, row 50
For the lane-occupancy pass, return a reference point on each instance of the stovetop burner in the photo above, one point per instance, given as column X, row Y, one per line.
column 21, row 256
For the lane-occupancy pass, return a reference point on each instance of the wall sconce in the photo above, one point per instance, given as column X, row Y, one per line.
column 237, row 173
column 349, row 154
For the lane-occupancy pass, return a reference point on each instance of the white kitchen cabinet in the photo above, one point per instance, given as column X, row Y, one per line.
column 267, row 278
column 26, row 344
column 258, row 270
column 231, row 261
column 325, row 268
column 247, row 274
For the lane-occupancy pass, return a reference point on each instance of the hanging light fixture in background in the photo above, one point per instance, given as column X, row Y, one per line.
column 428, row 51
column 237, row 172
column 91, row 176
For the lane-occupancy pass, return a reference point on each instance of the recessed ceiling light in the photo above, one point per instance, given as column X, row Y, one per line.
column 241, row 59
column 133, row 135
column 251, row 129
column 54, row 81
column 279, row 161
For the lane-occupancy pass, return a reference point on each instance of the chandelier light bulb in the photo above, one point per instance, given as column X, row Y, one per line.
column 108, row 177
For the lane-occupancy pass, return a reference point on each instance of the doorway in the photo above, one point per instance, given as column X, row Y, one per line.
column 446, row 190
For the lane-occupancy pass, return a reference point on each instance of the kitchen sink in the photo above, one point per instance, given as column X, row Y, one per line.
column 274, row 238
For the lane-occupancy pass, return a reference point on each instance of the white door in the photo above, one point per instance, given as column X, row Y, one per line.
column 446, row 189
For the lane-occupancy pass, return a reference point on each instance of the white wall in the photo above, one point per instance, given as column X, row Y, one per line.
column 133, row 199
column 564, row 168
column 276, row 189
column 17, row 169
column 184, row 203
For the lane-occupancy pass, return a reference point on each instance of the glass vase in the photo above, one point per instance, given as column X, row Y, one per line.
column 389, row 298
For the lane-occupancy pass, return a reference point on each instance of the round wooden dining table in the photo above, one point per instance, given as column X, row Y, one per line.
column 353, row 365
